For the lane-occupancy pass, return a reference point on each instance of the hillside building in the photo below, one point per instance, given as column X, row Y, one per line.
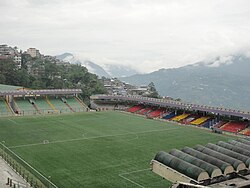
column 12, row 53
column 33, row 52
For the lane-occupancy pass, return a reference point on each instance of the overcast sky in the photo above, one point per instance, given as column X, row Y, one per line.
column 145, row 34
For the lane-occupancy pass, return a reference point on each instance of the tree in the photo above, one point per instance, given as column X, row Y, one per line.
column 8, row 71
column 23, row 78
column 152, row 90
column 46, row 74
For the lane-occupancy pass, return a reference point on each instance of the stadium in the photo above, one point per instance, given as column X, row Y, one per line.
column 52, row 139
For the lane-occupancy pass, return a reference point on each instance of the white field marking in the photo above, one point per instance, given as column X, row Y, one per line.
column 6, row 148
column 139, row 185
column 131, row 139
column 125, row 173
column 135, row 183
column 90, row 138
column 13, row 121
column 135, row 138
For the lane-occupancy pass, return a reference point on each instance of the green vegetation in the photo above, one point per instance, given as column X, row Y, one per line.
column 153, row 92
column 99, row 149
column 39, row 73
column 8, row 87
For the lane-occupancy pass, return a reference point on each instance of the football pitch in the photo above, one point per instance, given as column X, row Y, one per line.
column 97, row 149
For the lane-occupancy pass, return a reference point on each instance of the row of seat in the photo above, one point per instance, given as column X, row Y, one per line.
column 148, row 111
column 3, row 108
column 234, row 127
column 162, row 112
column 41, row 105
column 145, row 111
column 246, row 131
column 197, row 120
column 200, row 120
column 180, row 117
column 136, row 108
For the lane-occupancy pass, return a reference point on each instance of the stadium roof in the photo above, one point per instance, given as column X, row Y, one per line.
column 41, row 92
column 175, row 104
column 9, row 87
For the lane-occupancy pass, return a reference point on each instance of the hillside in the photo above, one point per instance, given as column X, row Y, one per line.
column 106, row 70
column 92, row 67
column 43, row 73
column 218, row 83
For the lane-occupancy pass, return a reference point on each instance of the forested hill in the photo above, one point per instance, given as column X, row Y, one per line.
column 40, row 73
column 218, row 83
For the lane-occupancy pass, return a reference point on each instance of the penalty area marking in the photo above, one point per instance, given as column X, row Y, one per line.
column 131, row 181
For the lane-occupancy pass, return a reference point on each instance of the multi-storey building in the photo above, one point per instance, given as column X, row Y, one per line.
column 33, row 52
column 9, row 52
column 18, row 60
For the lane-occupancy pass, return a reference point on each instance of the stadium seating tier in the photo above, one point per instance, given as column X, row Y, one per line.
column 136, row 108
column 234, row 127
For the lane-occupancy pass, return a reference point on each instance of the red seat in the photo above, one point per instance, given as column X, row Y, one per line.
column 234, row 126
column 135, row 108
column 157, row 113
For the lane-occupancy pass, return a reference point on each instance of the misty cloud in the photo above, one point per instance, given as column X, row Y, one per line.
column 144, row 34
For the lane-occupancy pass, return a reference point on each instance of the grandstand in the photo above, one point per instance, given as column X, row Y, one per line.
column 75, row 103
column 25, row 106
column 180, row 117
column 4, row 109
column 234, row 126
column 43, row 105
column 30, row 102
column 157, row 113
column 58, row 105
column 212, row 164
column 246, row 131
column 219, row 124
column 169, row 116
column 183, row 113
column 189, row 119
column 136, row 108
column 200, row 120
column 167, row 103
column 145, row 111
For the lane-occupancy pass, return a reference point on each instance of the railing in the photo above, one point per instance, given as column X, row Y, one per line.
column 24, row 169
column 16, row 184
column 6, row 114
column 175, row 104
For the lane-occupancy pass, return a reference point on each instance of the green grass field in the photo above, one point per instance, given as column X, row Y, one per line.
column 99, row 149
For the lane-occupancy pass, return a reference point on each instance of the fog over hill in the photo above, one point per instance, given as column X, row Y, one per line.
column 224, row 81
column 107, row 70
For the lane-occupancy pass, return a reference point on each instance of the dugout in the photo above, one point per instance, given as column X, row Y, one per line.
column 224, row 163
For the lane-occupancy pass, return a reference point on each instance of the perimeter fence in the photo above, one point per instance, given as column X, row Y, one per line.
column 33, row 177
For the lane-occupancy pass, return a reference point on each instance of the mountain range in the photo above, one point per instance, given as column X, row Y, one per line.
column 224, row 81
column 107, row 70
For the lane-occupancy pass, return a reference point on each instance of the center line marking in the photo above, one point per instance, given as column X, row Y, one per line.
column 90, row 138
